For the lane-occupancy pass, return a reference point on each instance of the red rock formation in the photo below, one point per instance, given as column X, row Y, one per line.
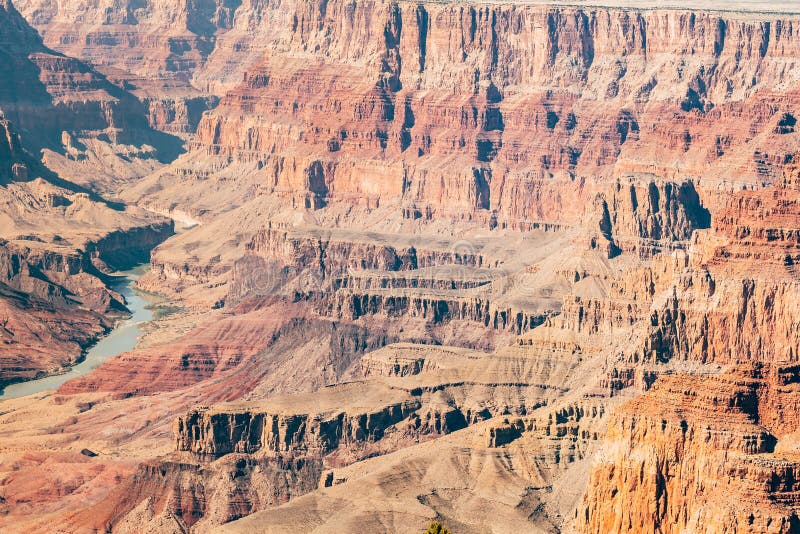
column 645, row 217
column 187, row 491
column 761, row 226
column 250, row 429
column 201, row 354
column 44, row 93
column 251, row 455
column 173, row 57
column 38, row 337
column 700, row 453
column 739, row 302
column 54, row 236
column 464, row 111
column 439, row 120
column 719, row 452
column 83, row 128
column 53, row 303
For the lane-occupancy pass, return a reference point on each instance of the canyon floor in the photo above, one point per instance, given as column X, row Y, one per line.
column 508, row 266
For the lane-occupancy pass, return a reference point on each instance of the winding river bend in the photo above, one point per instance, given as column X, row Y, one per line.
column 121, row 339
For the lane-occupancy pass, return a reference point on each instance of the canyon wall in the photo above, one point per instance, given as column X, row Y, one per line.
column 43, row 329
column 74, row 121
column 44, row 93
column 715, row 451
column 507, row 114
column 739, row 301
column 700, row 454
column 574, row 190
column 176, row 57
column 325, row 431
column 57, row 237
column 54, row 303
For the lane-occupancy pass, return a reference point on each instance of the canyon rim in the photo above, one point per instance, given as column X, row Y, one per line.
column 519, row 266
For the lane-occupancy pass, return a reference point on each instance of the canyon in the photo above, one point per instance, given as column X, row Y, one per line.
column 57, row 236
column 524, row 266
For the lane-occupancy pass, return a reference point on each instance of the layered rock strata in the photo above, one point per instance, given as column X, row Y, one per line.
column 701, row 453
column 54, row 299
column 56, row 237
column 176, row 58
column 324, row 431
column 493, row 113
column 738, row 302
column 715, row 452
column 573, row 149
column 44, row 94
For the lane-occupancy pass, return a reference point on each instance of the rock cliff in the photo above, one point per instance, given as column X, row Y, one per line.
column 53, row 297
column 737, row 302
column 321, row 433
column 507, row 114
column 177, row 58
column 45, row 93
column 700, row 453
column 716, row 451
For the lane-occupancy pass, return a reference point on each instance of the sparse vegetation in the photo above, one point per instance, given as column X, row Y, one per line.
column 437, row 528
column 162, row 311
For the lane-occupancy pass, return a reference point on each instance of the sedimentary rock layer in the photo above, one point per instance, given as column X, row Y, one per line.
column 495, row 112
column 716, row 452
column 700, row 453
column 176, row 58
column 533, row 180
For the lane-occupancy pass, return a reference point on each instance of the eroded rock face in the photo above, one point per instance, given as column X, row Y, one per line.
column 175, row 57
column 717, row 452
column 700, row 453
column 54, row 305
column 55, row 236
column 11, row 154
column 184, row 492
column 738, row 302
column 45, row 93
column 465, row 112
column 302, row 442
column 528, row 180
column 40, row 337
column 216, row 434
column 645, row 217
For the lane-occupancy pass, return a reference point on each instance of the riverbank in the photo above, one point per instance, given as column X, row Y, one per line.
column 121, row 339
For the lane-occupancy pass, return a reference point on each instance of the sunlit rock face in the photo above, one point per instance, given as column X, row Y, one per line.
column 520, row 111
column 716, row 452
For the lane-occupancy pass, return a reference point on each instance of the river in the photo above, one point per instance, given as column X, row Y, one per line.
column 121, row 339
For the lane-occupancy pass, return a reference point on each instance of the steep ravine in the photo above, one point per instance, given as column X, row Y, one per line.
column 512, row 266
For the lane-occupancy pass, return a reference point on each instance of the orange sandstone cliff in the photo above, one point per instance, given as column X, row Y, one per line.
column 716, row 452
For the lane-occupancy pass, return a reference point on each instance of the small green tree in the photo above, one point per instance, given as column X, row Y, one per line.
column 437, row 528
